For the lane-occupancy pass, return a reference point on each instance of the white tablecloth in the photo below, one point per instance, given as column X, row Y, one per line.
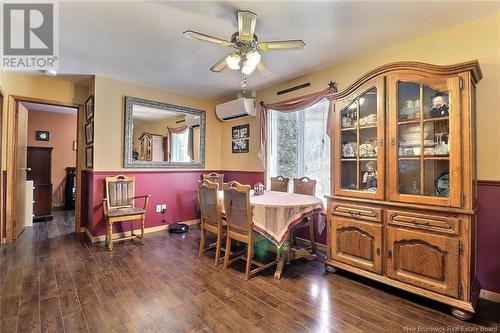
column 276, row 213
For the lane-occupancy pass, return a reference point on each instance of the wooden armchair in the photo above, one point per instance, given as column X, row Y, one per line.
column 215, row 178
column 279, row 184
column 211, row 217
column 240, row 226
column 306, row 186
column 118, row 206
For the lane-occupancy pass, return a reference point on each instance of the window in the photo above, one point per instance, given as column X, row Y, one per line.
column 180, row 143
column 299, row 146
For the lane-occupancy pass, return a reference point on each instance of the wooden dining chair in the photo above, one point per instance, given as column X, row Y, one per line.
column 119, row 206
column 306, row 186
column 211, row 218
column 240, row 227
column 279, row 184
column 215, row 178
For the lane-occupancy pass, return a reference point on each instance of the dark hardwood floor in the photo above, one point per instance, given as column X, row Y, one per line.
column 53, row 281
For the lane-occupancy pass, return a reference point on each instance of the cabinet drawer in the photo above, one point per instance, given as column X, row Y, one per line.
column 431, row 222
column 366, row 213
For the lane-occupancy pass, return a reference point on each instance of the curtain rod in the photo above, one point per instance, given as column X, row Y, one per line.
column 331, row 85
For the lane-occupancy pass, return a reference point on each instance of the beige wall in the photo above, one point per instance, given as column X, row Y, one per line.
column 478, row 39
column 62, row 133
column 109, row 118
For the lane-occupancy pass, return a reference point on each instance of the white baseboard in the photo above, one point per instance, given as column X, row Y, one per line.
column 102, row 238
column 490, row 295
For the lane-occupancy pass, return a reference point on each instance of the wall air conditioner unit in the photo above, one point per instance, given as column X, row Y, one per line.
column 237, row 108
column 192, row 121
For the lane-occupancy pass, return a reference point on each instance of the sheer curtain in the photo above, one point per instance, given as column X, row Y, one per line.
column 291, row 106
column 181, row 144
column 299, row 146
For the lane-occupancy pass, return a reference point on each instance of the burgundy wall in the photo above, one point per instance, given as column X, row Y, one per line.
column 488, row 235
column 178, row 190
column 248, row 177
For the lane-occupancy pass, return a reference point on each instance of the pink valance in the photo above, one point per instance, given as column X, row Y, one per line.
column 292, row 106
column 177, row 130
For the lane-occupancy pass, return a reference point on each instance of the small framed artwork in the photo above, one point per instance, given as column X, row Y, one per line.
column 240, row 146
column 244, row 131
column 89, row 157
column 89, row 108
column 75, row 146
column 244, row 146
column 240, row 136
column 89, row 133
column 236, row 132
column 42, row 135
column 241, row 131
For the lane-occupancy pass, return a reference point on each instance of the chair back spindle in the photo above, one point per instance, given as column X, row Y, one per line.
column 237, row 207
column 120, row 191
column 209, row 202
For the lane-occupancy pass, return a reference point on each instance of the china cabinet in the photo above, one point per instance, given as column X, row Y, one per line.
column 402, row 209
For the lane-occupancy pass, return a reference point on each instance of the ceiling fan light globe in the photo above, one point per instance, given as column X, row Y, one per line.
column 247, row 70
column 252, row 58
column 233, row 61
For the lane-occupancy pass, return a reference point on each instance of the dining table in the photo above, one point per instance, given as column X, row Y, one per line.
column 275, row 214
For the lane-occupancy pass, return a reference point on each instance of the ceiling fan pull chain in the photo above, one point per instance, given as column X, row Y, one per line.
column 244, row 84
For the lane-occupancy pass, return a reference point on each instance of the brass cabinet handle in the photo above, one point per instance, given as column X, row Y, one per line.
column 378, row 251
column 393, row 142
column 389, row 254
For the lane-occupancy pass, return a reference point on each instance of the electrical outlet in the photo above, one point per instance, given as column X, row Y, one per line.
column 158, row 208
column 164, row 208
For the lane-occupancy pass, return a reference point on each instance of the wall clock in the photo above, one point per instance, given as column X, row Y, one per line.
column 42, row 135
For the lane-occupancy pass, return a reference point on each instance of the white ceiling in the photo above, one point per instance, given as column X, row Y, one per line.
column 49, row 108
column 142, row 41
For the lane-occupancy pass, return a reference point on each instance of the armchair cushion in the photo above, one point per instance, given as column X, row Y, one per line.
column 125, row 211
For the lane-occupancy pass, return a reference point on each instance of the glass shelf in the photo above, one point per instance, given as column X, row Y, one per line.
column 358, row 143
column 423, row 140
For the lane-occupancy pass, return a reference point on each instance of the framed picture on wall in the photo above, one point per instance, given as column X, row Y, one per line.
column 244, row 131
column 89, row 157
column 89, row 108
column 241, row 131
column 240, row 136
column 89, row 133
column 240, row 146
column 235, row 132
column 42, row 136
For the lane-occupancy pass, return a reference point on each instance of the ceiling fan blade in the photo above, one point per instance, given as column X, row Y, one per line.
column 246, row 25
column 219, row 66
column 262, row 68
column 282, row 45
column 206, row 38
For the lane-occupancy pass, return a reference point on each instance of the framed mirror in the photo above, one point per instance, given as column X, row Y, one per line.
column 160, row 135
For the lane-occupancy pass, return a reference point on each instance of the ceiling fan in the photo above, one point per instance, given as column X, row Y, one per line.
column 247, row 56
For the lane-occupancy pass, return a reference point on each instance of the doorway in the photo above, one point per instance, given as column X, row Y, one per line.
column 45, row 158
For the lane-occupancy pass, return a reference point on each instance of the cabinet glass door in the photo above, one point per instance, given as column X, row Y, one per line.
column 425, row 122
column 359, row 155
